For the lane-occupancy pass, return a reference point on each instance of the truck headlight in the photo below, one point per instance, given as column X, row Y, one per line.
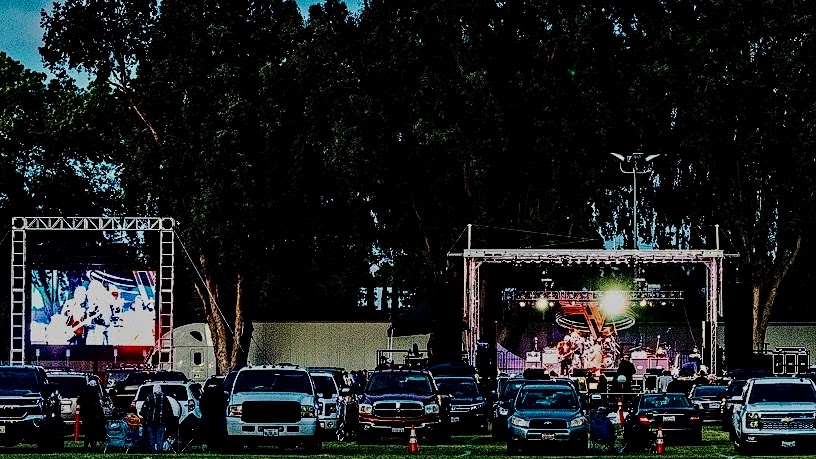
column 577, row 422
column 519, row 422
column 307, row 411
column 753, row 420
column 503, row 411
column 431, row 408
column 366, row 408
column 235, row 410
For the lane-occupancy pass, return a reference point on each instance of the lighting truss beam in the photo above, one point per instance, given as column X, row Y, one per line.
column 588, row 296
column 579, row 256
column 92, row 223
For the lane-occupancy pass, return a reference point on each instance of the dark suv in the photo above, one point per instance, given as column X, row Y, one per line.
column 468, row 408
column 31, row 408
column 396, row 400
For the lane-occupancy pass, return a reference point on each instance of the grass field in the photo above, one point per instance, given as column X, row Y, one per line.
column 716, row 445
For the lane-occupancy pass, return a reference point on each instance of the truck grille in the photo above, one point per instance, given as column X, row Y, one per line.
column 548, row 424
column 17, row 408
column 798, row 421
column 398, row 410
column 287, row 412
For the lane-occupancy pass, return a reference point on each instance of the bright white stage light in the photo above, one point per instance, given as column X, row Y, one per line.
column 614, row 302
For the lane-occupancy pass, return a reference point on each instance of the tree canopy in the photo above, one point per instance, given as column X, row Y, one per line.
column 295, row 154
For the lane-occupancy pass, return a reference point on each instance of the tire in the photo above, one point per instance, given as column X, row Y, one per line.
column 513, row 449
column 740, row 449
column 313, row 447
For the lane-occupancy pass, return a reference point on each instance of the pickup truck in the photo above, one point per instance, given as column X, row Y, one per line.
column 30, row 408
column 776, row 411
column 395, row 401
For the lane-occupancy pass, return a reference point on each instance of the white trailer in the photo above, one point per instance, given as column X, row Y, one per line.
column 350, row 345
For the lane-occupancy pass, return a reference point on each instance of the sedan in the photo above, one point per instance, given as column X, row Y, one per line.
column 708, row 400
column 672, row 413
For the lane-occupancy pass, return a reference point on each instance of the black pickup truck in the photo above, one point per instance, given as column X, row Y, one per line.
column 29, row 408
column 395, row 401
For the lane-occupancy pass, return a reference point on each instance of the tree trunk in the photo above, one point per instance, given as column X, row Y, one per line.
column 242, row 333
column 763, row 301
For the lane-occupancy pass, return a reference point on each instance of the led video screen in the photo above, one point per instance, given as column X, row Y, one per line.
column 96, row 307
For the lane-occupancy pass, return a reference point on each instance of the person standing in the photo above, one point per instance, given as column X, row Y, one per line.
column 91, row 415
column 626, row 369
column 157, row 414
column 664, row 380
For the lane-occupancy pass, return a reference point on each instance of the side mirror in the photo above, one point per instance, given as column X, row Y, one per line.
column 736, row 399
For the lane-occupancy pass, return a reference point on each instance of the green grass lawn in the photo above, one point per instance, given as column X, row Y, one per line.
column 716, row 445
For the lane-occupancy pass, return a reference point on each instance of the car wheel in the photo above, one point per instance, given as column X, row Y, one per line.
column 313, row 447
column 740, row 448
column 513, row 448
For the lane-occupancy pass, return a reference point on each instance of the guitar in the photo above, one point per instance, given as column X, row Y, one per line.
column 75, row 327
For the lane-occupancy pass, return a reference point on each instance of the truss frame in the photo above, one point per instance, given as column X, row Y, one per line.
column 474, row 258
column 21, row 225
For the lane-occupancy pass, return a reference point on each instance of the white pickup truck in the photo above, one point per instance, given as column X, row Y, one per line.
column 777, row 412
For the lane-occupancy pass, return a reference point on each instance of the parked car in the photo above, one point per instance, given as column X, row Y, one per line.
column 733, row 392
column 327, row 393
column 501, row 406
column 671, row 412
column 468, row 408
column 31, row 408
column 708, row 400
column 547, row 414
column 70, row 384
column 775, row 411
column 186, row 393
column 124, row 390
column 396, row 400
column 273, row 404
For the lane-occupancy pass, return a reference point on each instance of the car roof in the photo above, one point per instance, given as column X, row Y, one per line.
column 781, row 379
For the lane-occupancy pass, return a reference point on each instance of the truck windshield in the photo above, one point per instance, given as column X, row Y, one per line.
column 17, row 379
column 272, row 381
column 397, row 383
column 782, row 393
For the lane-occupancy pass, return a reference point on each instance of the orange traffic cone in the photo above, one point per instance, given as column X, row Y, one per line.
column 413, row 445
column 660, row 447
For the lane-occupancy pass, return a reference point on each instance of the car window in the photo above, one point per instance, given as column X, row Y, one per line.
column 324, row 385
column 735, row 387
column 399, row 383
column 178, row 392
column 459, row 388
column 550, row 398
column 511, row 389
column 668, row 400
column 69, row 386
column 782, row 393
column 16, row 379
column 272, row 381
column 708, row 391
column 196, row 390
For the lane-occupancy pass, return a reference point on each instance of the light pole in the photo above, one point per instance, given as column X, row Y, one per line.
column 633, row 160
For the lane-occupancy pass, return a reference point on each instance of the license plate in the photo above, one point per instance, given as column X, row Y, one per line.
column 2, row 429
column 548, row 436
column 270, row 432
column 789, row 444
column 66, row 408
column 398, row 429
column 668, row 418
column 454, row 419
column 713, row 405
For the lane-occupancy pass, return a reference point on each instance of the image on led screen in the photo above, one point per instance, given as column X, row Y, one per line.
column 93, row 307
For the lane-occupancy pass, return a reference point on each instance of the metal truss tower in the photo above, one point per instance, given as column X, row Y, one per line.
column 21, row 225
column 473, row 259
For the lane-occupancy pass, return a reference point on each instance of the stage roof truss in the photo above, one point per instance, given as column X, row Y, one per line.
column 589, row 296
column 473, row 258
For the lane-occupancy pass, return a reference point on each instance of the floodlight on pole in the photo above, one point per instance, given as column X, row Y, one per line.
column 634, row 159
